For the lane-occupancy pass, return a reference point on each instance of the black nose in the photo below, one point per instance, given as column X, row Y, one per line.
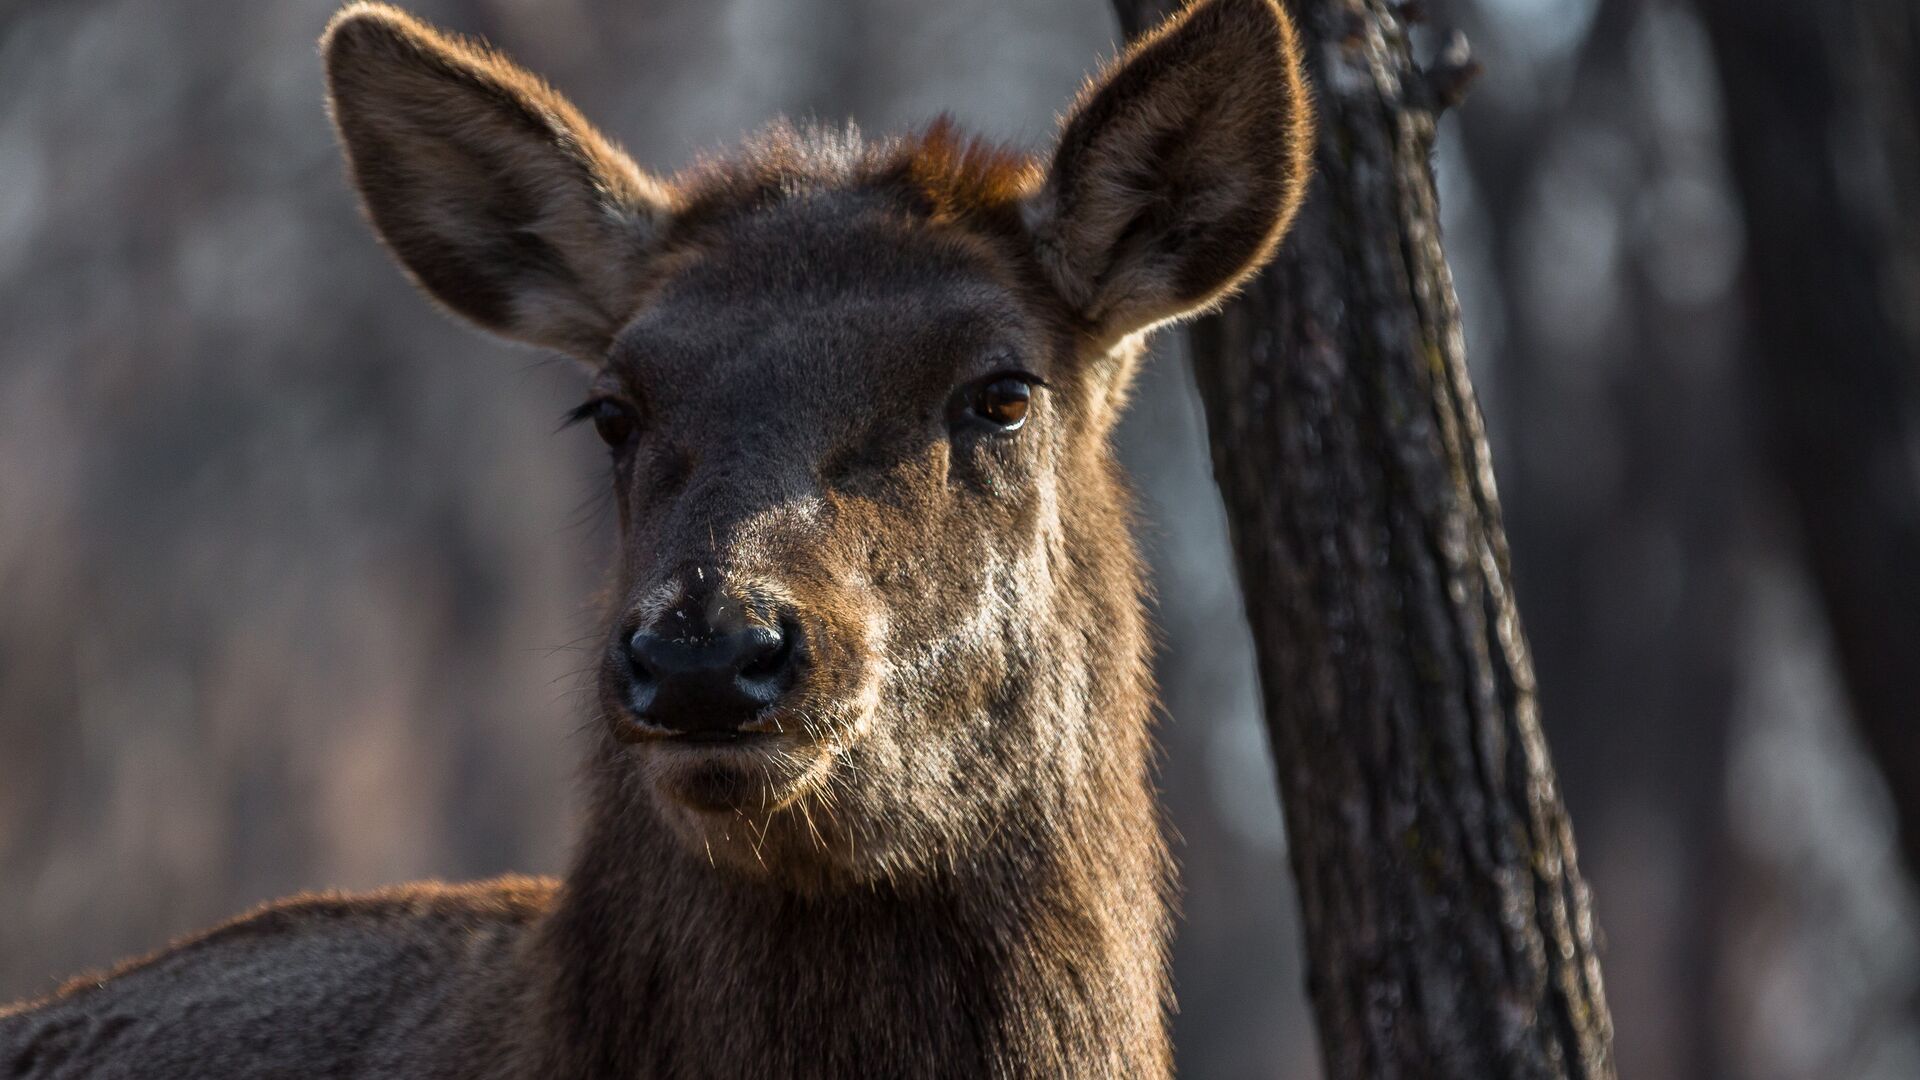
column 710, row 672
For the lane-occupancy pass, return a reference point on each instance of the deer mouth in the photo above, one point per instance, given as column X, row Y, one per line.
column 742, row 739
column 730, row 771
column 769, row 728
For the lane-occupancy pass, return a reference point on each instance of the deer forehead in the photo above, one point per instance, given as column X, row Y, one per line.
column 812, row 304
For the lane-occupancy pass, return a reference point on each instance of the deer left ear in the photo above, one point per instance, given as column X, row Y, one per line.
column 500, row 200
column 1179, row 168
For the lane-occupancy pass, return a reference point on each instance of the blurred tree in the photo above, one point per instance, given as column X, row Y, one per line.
column 1823, row 113
column 1595, row 199
column 1448, row 929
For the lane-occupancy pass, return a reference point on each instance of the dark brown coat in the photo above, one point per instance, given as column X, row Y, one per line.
column 858, row 397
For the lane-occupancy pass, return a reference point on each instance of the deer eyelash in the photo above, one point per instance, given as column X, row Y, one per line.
column 579, row 414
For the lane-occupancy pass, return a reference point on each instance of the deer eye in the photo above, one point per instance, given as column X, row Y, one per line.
column 1002, row 400
column 614, row 421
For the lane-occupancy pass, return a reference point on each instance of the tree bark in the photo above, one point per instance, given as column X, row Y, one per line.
column 1448, row 929
column 1823, row 114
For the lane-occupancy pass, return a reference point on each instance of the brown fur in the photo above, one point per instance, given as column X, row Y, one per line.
column 940, row 856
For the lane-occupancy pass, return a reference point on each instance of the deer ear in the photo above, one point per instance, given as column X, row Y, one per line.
column 1179, row 168
column 498, row 198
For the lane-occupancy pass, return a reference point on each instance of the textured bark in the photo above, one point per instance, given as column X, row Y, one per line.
column 1448, row 928
column 1823, row 114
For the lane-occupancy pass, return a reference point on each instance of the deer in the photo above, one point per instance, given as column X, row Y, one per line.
column 869, row 790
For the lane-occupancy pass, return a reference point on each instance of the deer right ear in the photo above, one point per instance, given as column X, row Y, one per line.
column 498, row 198
column 1179, row 169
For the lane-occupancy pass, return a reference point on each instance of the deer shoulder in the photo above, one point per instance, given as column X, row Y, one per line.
column 396, row 982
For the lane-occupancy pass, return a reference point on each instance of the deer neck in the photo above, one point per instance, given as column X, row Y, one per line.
column 1040, row 956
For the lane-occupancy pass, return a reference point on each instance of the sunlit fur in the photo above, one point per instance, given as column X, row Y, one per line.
column 943, row 857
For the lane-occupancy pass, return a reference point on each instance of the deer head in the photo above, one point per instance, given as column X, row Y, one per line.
column 874, row 597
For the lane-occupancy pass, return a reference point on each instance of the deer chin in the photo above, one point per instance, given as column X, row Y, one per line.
column 732, row 802
column 770, row 806
column 753, row 773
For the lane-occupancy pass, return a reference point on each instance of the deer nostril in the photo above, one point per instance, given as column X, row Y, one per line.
column 639, row 646
column 710, row 678
column 775, row 651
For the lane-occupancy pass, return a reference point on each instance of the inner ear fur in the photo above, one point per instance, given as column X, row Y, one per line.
column 1179, row 168
column 498, row 198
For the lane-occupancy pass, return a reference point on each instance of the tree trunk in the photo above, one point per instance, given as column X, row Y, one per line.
column 1823, row 114
column 1448, row 929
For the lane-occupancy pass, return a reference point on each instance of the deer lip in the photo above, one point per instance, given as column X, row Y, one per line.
column 769, row 726
column 739, row 738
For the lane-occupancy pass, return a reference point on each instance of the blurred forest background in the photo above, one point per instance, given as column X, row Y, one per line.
column 295, row 574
